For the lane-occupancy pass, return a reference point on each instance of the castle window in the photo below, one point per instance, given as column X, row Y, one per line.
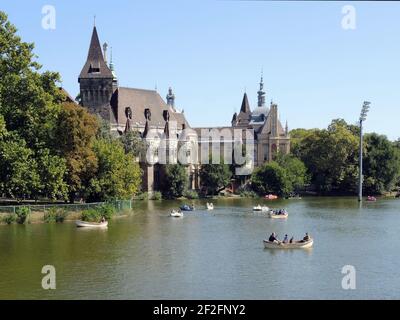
column 94, row 68
column 266, row 152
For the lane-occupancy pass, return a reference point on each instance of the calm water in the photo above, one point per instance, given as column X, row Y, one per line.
column 217, row 255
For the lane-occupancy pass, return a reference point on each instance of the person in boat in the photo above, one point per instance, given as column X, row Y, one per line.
column 291, row 240
column 306, row 238
column 103, row 219
column 286, row 239
column 273, row 238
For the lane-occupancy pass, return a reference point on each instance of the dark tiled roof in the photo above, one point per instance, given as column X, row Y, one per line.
column 139, row 100
column 95, row 66
column 68, row 97
column 245, row 113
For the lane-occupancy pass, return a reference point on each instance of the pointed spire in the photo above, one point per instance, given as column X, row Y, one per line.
column 245, row 108
column 287, row 128
column 95, row 52
column 95, row 65
column 261, row 92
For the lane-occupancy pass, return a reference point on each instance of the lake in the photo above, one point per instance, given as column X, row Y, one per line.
column 210, row 255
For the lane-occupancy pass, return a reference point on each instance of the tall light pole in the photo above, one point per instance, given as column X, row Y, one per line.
column 363, row 117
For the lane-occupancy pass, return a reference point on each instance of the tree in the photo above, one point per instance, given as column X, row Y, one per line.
column 118, row 175
column 295, row 169
column 29, row 100
column 271, row 178
column 19, row 177
column 331, row 157
column 76, row 131
column 176, row 181
column 215, row 177
column 133, row 143
column 381, row 164
column 52, row 170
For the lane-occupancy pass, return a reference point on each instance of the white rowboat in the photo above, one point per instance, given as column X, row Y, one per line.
column 86, row 224
column 210, row 206
column 294, row 245
column 176, row 214
column 262, row 209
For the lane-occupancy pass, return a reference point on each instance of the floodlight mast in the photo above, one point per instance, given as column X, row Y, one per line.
column 363, row 117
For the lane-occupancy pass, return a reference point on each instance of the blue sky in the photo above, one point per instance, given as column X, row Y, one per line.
column 211, row 51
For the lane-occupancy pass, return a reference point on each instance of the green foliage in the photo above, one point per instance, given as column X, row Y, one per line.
column 76, row 131
column 118, row 174
column 381, row 164
column 215, row 177
column 10, row 218
column 156, row 195
column 133, row 143
column 22, row 214
column 271, row 178
column 191, row 194
column 175, row 181
column 52, row 171
column 91, row 215
column 142, row 196
column 19, row 176
column 330, row 156
column 295, row 169
column 55, row 215
column 248, row 194
column 107, row 211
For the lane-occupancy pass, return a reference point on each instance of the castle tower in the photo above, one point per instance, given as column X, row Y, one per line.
column 96, row 81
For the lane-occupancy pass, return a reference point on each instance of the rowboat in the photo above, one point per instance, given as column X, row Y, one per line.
column 176, row 214
column 275, row 215
column 294, row 245
column 81, row 224
column 271, row 197
column 371, row 199
column 261, row 208
column 210, row 206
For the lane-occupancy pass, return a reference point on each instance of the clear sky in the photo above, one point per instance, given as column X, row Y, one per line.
column 211, row 51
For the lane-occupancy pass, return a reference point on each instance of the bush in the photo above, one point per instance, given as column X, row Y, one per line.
column 91, row 215
column 143, row 196
column 156, row 196
column 10, row 218
column 55, row 215
column 107, row 211
column 191, row 194
column 22, row 214
column 248, row 194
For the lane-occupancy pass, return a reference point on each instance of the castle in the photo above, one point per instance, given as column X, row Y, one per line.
column 144, row 111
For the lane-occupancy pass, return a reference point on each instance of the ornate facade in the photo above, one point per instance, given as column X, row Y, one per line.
column 145, row 112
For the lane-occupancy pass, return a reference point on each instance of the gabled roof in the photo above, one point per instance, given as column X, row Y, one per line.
column 139, row 100
column 95, row 66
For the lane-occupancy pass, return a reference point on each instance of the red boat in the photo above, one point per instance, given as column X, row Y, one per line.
column 371, row 199
column 271, row 197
